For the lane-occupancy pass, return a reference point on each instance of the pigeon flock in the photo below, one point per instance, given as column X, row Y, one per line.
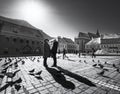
column 103, row 66
column 10, row 69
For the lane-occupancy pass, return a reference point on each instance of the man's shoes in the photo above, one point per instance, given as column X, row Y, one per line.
column 45, row 66
column 54, row 66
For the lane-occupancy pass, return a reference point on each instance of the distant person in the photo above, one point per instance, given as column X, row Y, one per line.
column 93, row 53
column 54, row 52
column 64, row 53
column 46, row 52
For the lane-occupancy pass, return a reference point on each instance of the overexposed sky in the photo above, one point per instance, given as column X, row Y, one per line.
column 65, row 18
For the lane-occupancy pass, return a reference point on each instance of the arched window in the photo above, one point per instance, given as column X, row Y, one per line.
column 14, row 40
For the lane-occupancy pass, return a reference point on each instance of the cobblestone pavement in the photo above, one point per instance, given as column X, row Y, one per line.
column 106, row 83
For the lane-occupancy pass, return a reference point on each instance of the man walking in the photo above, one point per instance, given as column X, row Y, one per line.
column 53, row 52
column 46, row 52
column 64, row 53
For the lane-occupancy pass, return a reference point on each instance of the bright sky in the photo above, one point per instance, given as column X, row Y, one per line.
column 65, row 18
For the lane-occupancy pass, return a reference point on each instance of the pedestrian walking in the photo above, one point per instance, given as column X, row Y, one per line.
column 64, row 53
column 46, row 52
column 93, row 53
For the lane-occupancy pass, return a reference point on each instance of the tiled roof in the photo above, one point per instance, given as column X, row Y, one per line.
column 17, row 22
column 110, row 41
column 92, row 35
column 81, row 34
column 68, row 40
column 25, row 24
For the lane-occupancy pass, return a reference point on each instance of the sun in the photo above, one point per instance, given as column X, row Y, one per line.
column 32, row 11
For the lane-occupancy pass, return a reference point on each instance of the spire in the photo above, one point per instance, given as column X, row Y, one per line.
column 97, row 33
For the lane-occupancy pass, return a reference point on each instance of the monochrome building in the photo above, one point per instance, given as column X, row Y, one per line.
column 18, row 37
column 84, row 38
column 67, row 44
column 93, row 43
column 112, row 45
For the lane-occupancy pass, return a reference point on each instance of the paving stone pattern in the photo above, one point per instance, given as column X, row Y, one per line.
column 108, row 83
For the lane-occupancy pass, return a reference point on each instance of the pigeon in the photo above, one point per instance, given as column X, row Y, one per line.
column 17, row 87
column 4, row 70
column 98, row 61
column 101, row 66
column 18, row 80
column 38, row 73
column 10, row 60
column 23, row 62
column 93, row 60
column 16, row 64
column 117, row 70
column 4, row 87
column 1, row 76
column 10, row 83
column 114, row 66
column 106, row 69
column 94, row 65
column 38, row 60
column 31, row 74
column 105, row 62
column 85, row 61
column 5, row 64
column 102, row 72
column 32, row 70
column 10, row 74
column 38, row 77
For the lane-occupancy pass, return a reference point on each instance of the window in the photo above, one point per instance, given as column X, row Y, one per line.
column 21, row 40
column 14, row 40
column 33, row 42
column 27, row 41
column 7, row 38
column 37, row 42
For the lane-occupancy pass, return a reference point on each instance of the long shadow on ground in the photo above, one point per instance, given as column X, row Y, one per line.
column 77, row 77
column 60, row 78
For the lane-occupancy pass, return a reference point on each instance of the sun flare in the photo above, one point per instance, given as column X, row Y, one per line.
column 32, row 11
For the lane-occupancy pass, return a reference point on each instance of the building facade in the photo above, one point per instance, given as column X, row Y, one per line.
column 111, row 45
column 84, row 38
column 67, row 44
column 93, row 43
column 18, row 37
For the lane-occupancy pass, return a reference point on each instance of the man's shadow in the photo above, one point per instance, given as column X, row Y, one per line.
column 77, row 77
column 60, row 78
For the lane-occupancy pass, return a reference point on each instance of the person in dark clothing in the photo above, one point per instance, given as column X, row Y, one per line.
column 54, row 52
column 93, row 53
column 64, row 53
column 46, row 52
